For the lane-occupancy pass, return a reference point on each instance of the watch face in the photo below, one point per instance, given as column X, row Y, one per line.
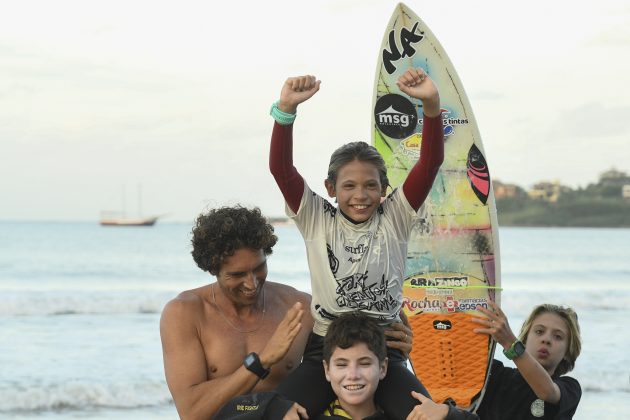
column 515, row 350
column 249, row 359
column 252, row 363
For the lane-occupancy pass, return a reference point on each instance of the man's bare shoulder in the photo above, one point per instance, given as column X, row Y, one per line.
column 189, row 303
column 284, row 297
column 288, row 294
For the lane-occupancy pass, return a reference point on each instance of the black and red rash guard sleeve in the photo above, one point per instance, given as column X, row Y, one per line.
column 281, row 166
column 420, row 179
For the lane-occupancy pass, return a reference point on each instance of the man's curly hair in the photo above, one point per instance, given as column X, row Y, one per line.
column 220, row 232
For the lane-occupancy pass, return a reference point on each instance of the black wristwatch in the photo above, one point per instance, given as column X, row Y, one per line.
column 516, row 349
column 252, row 363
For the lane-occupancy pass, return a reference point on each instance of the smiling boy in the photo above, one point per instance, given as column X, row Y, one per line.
column 355, row 360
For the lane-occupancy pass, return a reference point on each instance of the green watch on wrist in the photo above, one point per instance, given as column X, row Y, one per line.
column 516, row 349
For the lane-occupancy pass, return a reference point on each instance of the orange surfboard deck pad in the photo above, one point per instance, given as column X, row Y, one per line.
column 448, row 357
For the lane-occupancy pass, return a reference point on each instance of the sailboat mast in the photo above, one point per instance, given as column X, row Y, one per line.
column 119, row 219
column 124, row 200
column 139, row 200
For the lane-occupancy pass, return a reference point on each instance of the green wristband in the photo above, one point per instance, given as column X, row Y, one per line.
column 281, row 117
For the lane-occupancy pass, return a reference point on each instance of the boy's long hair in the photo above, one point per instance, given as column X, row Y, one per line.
column 361, row 151
column 574, row 345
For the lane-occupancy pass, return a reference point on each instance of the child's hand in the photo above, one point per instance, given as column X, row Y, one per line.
column 297, row 90
column 496, row 324
column 417, row 84
column 296, row 412
column 427, row 409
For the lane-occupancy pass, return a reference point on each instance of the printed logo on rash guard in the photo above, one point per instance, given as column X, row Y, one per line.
column 359, row 249
column 538, row 408
column 353, row 292
column 332, row 260
column 329, row 208
column 324, row 313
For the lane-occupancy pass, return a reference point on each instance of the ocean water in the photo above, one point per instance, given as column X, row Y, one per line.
column 80, row 307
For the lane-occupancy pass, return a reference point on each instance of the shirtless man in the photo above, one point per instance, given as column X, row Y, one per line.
column 240, row 334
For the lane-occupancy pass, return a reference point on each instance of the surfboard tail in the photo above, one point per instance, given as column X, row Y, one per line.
column 460, row 356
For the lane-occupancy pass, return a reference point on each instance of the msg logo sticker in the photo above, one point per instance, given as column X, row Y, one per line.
column 395, row 116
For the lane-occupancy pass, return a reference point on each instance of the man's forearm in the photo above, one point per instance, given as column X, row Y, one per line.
column 202, row 401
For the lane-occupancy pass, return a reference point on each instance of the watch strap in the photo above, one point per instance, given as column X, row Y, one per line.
column 515, row 350
column 252, row 363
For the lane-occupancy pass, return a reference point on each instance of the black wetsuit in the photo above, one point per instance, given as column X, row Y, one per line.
column 509, row 396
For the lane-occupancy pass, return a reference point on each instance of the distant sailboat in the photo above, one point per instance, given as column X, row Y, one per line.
column 127, row 221
column 119, row 218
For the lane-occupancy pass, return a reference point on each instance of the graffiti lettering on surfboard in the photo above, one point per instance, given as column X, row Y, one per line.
column 406, row 39
column 440, row 281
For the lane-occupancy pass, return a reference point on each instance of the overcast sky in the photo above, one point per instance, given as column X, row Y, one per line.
column 175, row 95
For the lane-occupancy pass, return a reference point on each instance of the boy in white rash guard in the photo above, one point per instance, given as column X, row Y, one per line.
column 356, row 251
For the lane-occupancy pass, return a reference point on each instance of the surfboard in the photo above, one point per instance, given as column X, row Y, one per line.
column 453, row 255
